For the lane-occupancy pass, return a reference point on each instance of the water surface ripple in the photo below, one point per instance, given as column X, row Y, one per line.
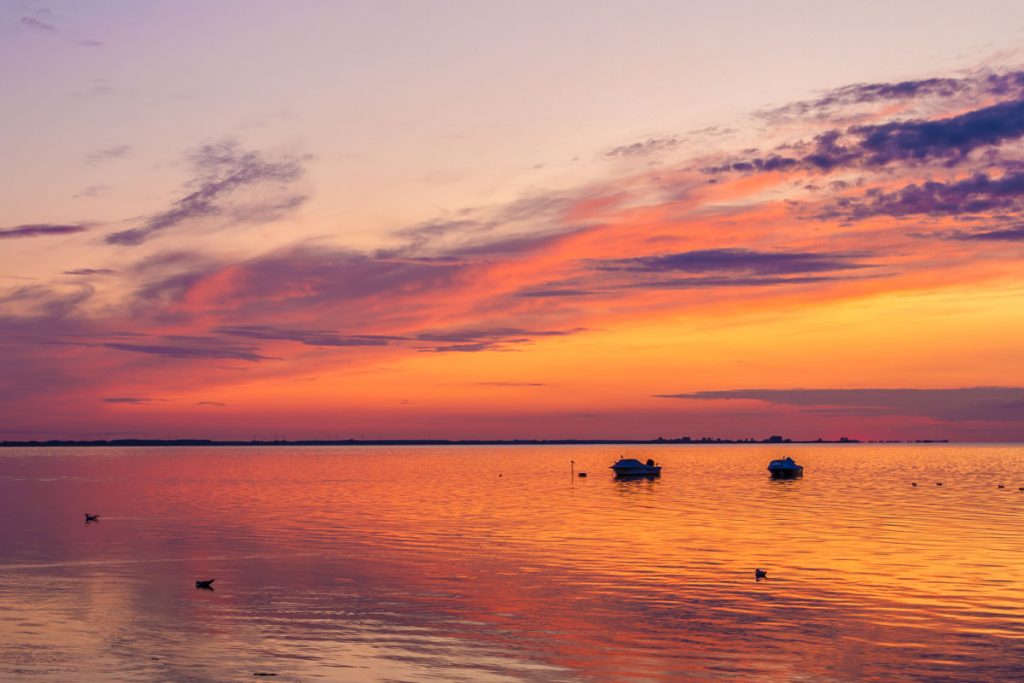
column 496, row 564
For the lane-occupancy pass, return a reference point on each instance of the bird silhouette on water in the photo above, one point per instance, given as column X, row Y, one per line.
column 91, row 518
column 760, row 574
column 207, row 584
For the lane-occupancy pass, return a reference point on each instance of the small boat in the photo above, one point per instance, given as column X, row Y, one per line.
column 631, row 467
column 785, row 468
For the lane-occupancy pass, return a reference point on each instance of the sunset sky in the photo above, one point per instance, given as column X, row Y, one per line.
column 321, row 219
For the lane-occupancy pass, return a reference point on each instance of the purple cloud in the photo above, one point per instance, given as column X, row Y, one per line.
column 130, row 400
column 222, row 169
column 308, row 337
column 41, row 301
column 462, row 348
column 506, row 334
column 996, row 404
column 89, row 271
column 107, row 154
column 998, row 84
column 644, row 148
column 93, row 191
column 711, row 282
column 1013, row 234
column 980, row 193
column 40, row 229
column 553, row 292
column 732, row 260
column 485, row 339
column 36, row 24
column 949, row 140
column 212, row 349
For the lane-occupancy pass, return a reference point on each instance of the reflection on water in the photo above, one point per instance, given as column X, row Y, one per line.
column 497, row 564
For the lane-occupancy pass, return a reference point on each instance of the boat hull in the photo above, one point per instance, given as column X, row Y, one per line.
column 637, row 471
column 787, row 473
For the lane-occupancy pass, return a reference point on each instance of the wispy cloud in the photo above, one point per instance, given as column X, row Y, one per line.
column 1011, row 234
column 211, row 349
column 308, row 337
column 223, row 169
column 727, row 282
column 41, row 230
column 996, row 404
column 93, row 191
column 36, row 24
column 980, row 193
column 745, row 260
column 486, row 339
column 89, row 271
column 44, row 301
column 107, row 154
column 972, row 86
column 644, row 147
column 948, row 140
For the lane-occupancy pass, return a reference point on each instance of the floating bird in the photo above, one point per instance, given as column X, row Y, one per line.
column 91, row 518
column 1021, row 488
column 1001, row 486
column 938, row 483
column 582, row 474
column 760, row 574
column 913, row 483
column 208, row 584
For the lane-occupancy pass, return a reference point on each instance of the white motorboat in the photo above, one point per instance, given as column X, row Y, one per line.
column 785, row 468
column 631, row 467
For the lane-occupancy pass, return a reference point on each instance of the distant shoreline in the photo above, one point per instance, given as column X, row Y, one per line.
column 704, row 441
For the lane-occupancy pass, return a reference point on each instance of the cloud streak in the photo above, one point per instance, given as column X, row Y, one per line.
column 107, row 154
column 993, row 404
column 307, row 337
column 644, row 148
column 36, row 24
column 979, row 194
column 1012, row 234
column 948, row 141
column 975, row 86
column 744, row 260
column 208, row 351
column 89, row 271
column 223, row 170
column 41, row 230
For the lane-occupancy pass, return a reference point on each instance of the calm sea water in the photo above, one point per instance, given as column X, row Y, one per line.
column 495, row 564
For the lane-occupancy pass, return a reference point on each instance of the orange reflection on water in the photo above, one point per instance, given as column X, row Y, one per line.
column 473, row 563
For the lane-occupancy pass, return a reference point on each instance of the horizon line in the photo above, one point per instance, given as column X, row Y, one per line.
column 684, row 441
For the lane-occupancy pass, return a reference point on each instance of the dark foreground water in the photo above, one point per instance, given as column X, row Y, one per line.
column 494, row 564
